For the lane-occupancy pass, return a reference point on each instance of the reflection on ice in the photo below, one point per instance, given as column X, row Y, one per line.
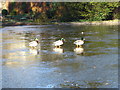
column 13, row 63
column 58, row 50
column 34, row 51
column 79, row 50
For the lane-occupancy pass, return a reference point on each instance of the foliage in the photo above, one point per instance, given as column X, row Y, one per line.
column 82, row 11
column 13, row 12
column 4, row 12
column 41, row 18
column 116, row 13
column 89, row 10
column 66, row 11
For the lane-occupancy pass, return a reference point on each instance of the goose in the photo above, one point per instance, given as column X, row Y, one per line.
column 79, row 42
column 59, row 42
column 34, row 43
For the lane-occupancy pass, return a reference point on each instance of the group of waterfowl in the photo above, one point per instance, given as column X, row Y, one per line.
column 78, row 43
column 58, row 43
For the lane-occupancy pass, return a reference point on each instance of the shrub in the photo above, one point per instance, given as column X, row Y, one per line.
column 4, row 12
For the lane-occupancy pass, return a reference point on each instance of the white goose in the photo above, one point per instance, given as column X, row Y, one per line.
column 59, row 42
column 79, row 42
column 34, row 43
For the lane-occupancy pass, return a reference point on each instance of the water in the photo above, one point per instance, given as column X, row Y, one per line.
column 94, row 65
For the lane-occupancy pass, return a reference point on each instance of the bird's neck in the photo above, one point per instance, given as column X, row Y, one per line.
column 37, row 41
column 62, row 40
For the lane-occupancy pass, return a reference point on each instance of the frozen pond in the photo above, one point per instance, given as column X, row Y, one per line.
column 95, row 65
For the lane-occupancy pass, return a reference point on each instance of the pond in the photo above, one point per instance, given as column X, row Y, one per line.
column 94, row 65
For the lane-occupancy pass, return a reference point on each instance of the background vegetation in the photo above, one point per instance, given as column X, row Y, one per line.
column 61, row 11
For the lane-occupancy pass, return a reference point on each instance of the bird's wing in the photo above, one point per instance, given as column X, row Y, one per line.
column 57, row 42
column 32, row 42
column 76, row 41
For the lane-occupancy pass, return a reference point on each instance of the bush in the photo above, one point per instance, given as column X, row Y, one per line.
column 116, row 13
column 4, row 12
column 13, row 12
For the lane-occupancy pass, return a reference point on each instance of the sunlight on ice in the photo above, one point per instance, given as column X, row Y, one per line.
column 58, row 50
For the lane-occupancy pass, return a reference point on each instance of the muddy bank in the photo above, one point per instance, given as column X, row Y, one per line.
column 110, row 22
column 15, row 23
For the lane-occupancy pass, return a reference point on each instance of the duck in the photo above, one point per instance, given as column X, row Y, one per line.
column 79, row 42
column 34, row 43
column 58, row 43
